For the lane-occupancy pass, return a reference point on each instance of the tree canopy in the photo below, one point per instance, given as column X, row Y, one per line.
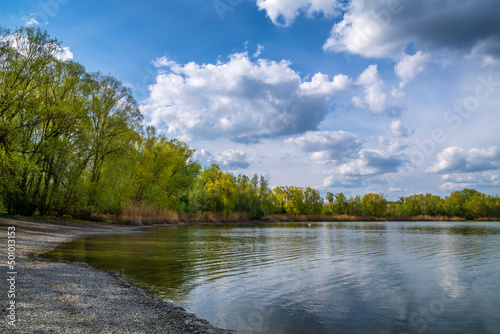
column 73, row 143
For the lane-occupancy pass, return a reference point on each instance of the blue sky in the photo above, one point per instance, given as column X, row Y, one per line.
column 394, row 97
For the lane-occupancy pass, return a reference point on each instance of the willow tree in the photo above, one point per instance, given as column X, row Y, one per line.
column 27, row 56
column 214, row 191
column 113, row 117
column 163, row 171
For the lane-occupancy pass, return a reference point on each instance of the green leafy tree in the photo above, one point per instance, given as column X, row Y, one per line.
column 340, row 203
column 354, row 206
column 215, row 191
column 374, row 205
column 454, row 205
column 25, row 55
column 476, row 206
column 164, row 171
column 113, row 114
column 312, row 201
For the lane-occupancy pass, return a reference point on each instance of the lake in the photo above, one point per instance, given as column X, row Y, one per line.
column 353, row 277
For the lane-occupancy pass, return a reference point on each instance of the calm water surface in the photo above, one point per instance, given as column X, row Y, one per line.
column 316, row 277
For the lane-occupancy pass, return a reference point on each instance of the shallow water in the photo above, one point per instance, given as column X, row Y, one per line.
column 394, row 277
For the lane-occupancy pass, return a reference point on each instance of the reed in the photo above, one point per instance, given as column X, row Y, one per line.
column 143, row 213
column 214, row 217
column 344, row 217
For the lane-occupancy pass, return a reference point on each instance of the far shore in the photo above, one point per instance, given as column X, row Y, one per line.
column 210, row 218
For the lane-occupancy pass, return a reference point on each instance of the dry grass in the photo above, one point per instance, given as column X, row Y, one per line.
column 488, row 219
column 343, row 218
column 284, row 217
column 145, row 213
column 213, row 217
column 426, row 218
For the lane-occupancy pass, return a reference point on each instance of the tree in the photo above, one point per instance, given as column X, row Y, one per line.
column 215, row 191
column 312, row 201
column 476, row 206
column 113, row 114
column 340, row 203
column 163, row 171
column 265, row 201
column 454, row 205
column 25, row 56
column 374, row 205
column 354, row 206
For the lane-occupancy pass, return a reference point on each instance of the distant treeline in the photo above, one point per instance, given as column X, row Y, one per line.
column 72, row 144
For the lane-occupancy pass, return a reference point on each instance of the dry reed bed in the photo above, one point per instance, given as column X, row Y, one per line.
column 297, row 218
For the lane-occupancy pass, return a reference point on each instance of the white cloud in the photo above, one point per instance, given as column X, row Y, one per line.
column 257, row 53
column 284, row 12
column 31, row 21
column 489, row 61
column 328, row 145
column 241, row 99
column 369, row 165
column 410, row 65
column 229, row 159
column 64, row 54
column 357, row 102
column 320, row 84
column 458, row 181
column 375, row 94
column 347, row 163
column 380, row 28
column 399, row 131
column 232, row 159
column 457, row 159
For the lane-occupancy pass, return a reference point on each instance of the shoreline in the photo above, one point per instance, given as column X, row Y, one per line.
column 64, row 297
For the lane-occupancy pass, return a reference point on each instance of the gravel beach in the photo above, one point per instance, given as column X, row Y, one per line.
column 54, row 297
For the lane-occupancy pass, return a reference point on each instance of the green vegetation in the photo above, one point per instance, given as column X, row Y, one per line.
column 72, row 144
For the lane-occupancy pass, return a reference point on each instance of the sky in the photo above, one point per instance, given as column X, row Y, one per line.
column 397, row 97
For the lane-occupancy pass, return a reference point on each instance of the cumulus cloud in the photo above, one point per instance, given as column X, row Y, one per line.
column 328, row 145
column 457, row 181
column 349, row 164
column 381, row 28
column 284, row 12
column 457, row 159
column 241, row 99
column 400, row 131
column 228, row 159
column 31, row 21
column 320, row 84
column 232, row 159
column 64, row 53
column 358, row 172
column 375, row 96
column 410, row 65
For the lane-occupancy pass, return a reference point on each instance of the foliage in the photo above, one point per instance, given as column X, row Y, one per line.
column 296, row 200
column 219, row 191
column 72, row 143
